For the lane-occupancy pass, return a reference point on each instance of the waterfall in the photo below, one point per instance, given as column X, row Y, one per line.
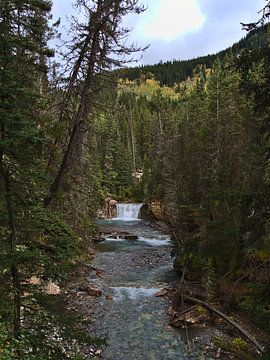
column 127, row 212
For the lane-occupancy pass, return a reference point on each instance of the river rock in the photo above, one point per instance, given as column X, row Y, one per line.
column 130, row 237
column 91, row 291
column 97, row 238
column 123, row 233
column 118, row 235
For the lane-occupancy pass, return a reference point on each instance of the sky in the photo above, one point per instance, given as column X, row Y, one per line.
column 181, row 29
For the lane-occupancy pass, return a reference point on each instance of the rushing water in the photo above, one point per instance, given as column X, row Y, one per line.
column 127, row 211
column 128, row 314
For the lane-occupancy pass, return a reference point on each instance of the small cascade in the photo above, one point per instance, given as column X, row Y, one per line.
column 127, row 211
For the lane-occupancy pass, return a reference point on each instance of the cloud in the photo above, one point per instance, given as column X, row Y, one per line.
column 168, row 19
column 220, row 29
column 182, row 29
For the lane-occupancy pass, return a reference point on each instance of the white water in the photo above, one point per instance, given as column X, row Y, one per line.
column 158, row 241
column 128, row 212
column 123, row 293
column 161, row 241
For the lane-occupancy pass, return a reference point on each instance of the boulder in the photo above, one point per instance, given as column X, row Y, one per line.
column 52, row 289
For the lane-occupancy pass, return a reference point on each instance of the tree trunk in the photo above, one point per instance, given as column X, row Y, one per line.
column 68, row 94
column 12, row 246
column 132, row 139
column 79, row 120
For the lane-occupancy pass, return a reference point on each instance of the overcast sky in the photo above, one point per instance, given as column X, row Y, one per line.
column 182, row 29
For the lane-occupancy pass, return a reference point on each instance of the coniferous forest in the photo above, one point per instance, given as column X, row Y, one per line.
column 78, row 127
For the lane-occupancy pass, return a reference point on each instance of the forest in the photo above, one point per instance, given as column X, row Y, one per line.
column 78, row 130
column 172, row 72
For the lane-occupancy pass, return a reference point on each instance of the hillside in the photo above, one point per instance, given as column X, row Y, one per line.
column 171, row 72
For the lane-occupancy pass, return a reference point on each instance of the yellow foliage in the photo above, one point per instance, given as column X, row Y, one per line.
column 263, row 255
column 148, row 88
column 239, row 343
column 201, row 311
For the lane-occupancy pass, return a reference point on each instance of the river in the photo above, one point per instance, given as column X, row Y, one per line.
column 134, row 322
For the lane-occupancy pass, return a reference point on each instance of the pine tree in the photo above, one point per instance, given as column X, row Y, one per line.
column 22, row 42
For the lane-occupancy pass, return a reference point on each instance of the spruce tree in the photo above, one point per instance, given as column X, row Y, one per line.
column 23, row 28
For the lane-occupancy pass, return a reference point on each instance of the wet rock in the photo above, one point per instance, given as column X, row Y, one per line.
column 130, row 237
column 97, row 238
column 119, row 235
column 89, row 290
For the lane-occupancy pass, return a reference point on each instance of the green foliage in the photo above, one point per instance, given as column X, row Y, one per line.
column 257, row 306
column 56, row 242
column 34, row 241
column 237, row 346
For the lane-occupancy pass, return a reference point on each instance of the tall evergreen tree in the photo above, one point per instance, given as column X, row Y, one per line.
column 23, row 28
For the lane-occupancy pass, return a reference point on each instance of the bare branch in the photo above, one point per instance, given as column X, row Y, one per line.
column 265, row 16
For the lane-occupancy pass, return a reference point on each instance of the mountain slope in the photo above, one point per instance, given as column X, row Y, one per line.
column 171, row 72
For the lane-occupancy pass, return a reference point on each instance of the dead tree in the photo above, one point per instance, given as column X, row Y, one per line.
column 98, row 47
column 265, row 16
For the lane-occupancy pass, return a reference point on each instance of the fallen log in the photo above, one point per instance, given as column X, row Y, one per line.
column 226, row 318
column 186, row 311
column 186, row 316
